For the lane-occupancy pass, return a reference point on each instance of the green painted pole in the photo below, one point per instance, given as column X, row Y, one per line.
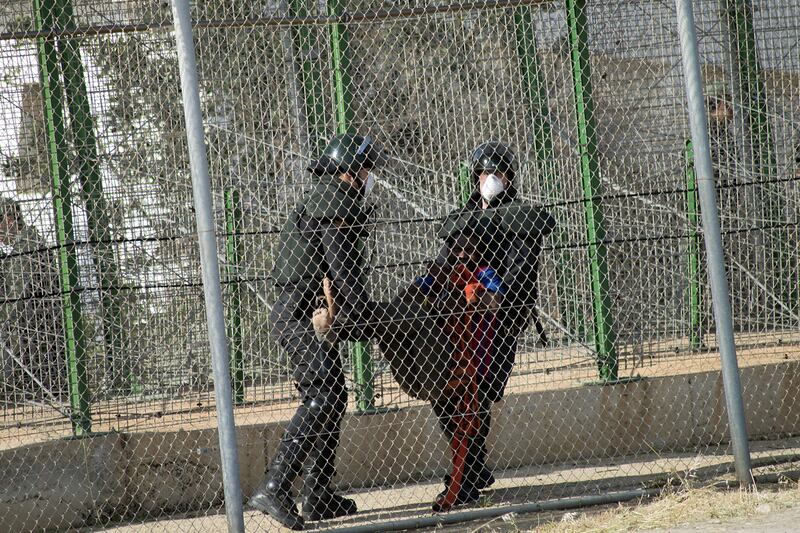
column 311, row 78
column 750, row 95
column 340, row 64
column 91, row 186
column 748, row 81
column 52, row 98
column 464, row 182
column 233, row 254
column 693, row 214
column 536, row 94
column 604, row 335
column 363, row 372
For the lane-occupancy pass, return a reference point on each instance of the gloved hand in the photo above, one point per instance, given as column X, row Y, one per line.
column 482, row 299
column 321, row 320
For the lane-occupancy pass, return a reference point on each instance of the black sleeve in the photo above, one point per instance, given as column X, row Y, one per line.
column 441, row 267
column 522, row 269
column 340, row 246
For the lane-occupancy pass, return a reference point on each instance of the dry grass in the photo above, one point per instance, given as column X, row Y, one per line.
column 677, row 507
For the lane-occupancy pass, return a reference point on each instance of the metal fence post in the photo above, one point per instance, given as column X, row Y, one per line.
column 604, row 334
column 536, row 93
column 340, row 63
column 363, row 371
column 201, row 189
column 693, row 214
column 754, row 134
column 713, row 239
column 74, row 330
column 233, row 255
column 311, row 79
column 464, row 182
column 82, row 127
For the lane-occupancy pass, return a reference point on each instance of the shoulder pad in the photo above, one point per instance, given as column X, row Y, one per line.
column 334, row 199
column 525, row 220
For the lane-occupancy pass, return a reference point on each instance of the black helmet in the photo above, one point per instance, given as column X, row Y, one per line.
column 493, row 157
column 347, row 153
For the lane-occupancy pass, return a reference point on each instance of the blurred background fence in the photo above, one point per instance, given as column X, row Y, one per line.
column 103, row 325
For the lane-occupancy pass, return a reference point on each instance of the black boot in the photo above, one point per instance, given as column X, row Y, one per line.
column 320, row 502
column 274, row 497
column 476, row 465
column 467, row 494
column 324, row 504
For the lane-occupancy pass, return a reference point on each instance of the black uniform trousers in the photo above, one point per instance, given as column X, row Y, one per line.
column 315, row 428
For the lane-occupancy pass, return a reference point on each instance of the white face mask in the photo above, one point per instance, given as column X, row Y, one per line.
column 491, row 187
column 369, row 184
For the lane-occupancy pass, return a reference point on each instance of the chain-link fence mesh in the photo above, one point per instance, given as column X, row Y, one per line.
column 615, row 369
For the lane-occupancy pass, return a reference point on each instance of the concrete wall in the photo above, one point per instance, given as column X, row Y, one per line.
column 69, row 483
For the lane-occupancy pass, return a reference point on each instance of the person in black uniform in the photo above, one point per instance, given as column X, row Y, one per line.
column 505, row 234
column 320, row 240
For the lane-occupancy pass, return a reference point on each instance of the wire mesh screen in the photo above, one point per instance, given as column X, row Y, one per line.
column 564, row 259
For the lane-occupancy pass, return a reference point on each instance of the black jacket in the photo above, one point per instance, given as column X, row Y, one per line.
column 322, row 238
column 513, row 233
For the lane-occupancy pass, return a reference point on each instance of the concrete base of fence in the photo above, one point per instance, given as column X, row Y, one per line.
column 69, row 483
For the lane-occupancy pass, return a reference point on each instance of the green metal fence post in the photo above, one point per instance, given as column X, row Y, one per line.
column 233, row 254
column 91, row 186
column 311, row 78
column 758, row 150
column 464, row 182
column 747, row 79
column 363, row 372
column 536, row 94
column 693, row 214
column 604, row 335
column 340, row 64
column 52, row 98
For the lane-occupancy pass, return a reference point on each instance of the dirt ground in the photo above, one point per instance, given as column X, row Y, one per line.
column 772, row 508
column 380, row 505
column 684, row 499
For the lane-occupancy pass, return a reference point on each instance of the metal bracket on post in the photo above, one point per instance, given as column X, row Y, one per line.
column 713, row 239
column 201, row 189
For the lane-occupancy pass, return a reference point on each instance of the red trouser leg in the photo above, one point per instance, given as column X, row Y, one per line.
column 466, row 421
column 463, row 388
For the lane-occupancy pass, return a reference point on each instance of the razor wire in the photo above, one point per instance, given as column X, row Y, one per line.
column 103, row 323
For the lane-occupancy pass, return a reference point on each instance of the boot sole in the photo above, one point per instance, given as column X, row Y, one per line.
column 275, row 513
column 317, row 518
column 439, row 508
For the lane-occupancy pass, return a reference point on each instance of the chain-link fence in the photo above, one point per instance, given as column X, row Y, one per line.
column 108, row 411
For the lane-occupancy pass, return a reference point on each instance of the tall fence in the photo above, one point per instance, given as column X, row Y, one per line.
column 103, row 333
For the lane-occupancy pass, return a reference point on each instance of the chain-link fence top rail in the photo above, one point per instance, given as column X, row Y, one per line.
column 590, row 99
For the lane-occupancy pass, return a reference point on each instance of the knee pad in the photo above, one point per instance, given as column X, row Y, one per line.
column 326, row 404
